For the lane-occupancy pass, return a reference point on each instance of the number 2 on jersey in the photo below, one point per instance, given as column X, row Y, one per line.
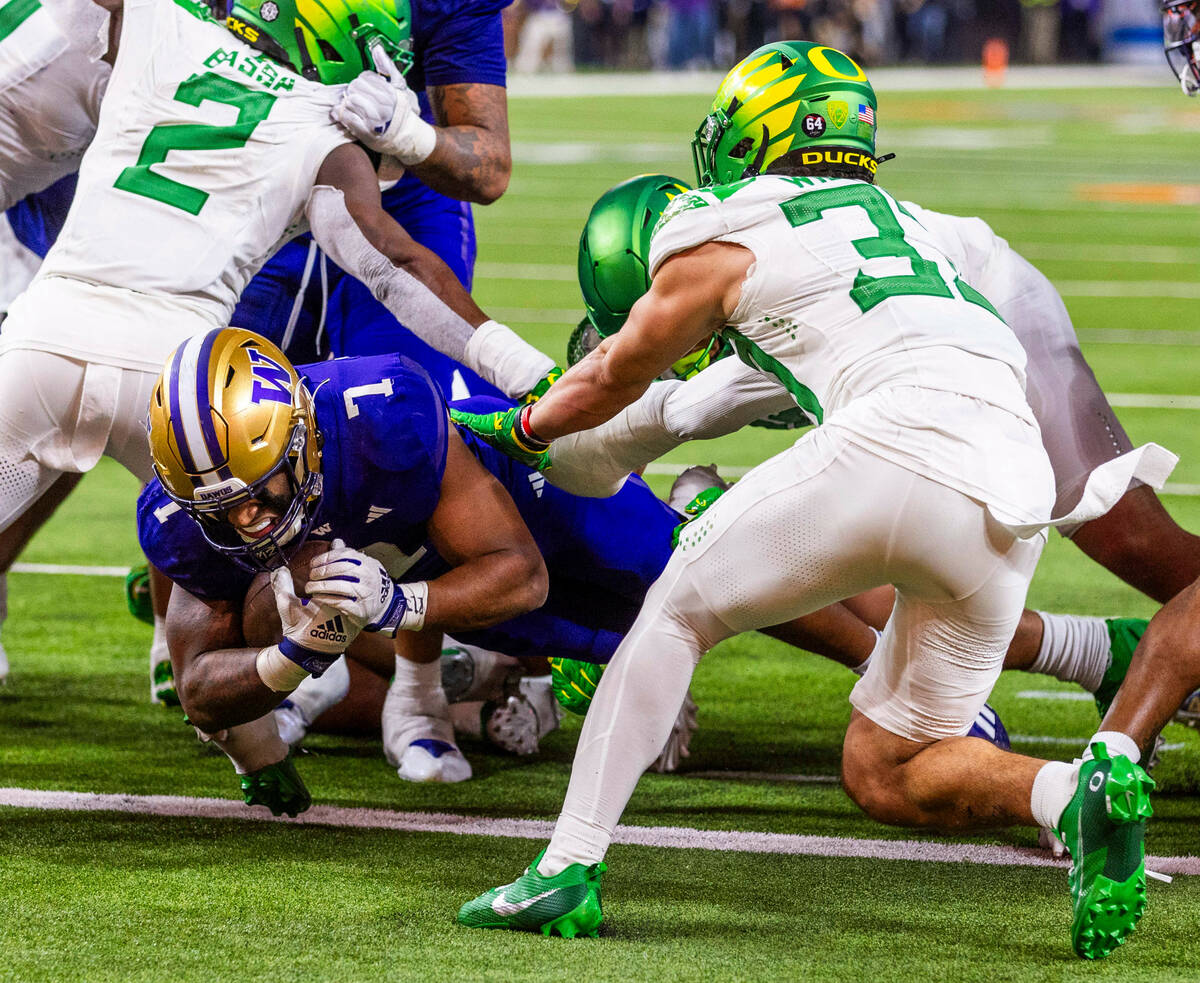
column 252, row 105
column 926, row 278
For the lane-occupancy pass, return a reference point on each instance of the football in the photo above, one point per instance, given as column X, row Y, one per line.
column 260, row 618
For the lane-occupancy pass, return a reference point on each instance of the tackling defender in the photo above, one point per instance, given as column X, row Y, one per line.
column 827, row 283
column 1079, row 429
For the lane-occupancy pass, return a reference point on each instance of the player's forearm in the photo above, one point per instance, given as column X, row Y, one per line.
column 222, row 688
column 486, row 590
column 469, row 163
column 585, row 397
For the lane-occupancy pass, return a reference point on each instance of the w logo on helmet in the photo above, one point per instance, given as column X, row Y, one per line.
column 272, row 382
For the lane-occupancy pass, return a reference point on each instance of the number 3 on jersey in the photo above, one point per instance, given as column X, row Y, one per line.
column 926, row 278
column 252, row 105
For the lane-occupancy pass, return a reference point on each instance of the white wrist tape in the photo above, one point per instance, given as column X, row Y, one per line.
column 277, row 671
column 416, row 599
column 414, row 142
column 505, row 360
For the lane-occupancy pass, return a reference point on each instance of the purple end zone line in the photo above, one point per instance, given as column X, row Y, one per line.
column 528, row 829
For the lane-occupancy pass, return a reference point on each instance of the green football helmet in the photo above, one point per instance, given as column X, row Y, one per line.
column 786, row 96
column 615, row 247
column 327, row 41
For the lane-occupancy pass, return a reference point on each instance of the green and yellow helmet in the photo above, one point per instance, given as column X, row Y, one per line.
column 784, row 96
column 327, row 41
column 615, row 246
column 614, row 270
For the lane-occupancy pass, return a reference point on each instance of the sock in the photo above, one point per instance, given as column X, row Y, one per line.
column 314, row 696
column 417, row 686
column 158, row 643
column 1053, row 788
column 1074, row 649
column 1115, row 743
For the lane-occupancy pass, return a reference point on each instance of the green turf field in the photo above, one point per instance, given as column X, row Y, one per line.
column 1082, row 182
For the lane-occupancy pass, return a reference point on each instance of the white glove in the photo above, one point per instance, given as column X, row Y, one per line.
column 676, row 748
column 315, row 634
column 380, row 111
column 360, row 588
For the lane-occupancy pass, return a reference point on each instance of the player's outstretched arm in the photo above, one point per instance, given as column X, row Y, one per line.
column 693, row 295
column 349, row 223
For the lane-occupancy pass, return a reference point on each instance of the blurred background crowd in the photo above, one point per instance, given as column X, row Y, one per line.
column 561, row 35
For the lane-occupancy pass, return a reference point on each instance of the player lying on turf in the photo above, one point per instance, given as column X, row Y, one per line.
column 369, row 459
column 926, row 471
column 176, row 208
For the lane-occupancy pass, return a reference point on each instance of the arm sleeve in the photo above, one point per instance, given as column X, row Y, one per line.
column 722, row 399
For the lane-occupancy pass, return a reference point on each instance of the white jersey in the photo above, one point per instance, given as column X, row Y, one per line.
column 858, row 311
column 201, row 166
column 51, row 82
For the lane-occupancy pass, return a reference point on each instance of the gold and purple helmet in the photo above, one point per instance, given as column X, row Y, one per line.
column 227, row 415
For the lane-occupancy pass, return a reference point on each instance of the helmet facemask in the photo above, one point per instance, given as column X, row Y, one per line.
column 1181, row 42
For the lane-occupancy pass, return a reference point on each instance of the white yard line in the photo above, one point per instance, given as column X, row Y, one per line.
column 1174, row 289
column 527, row 829
column 61, row 568
column 1069, row 695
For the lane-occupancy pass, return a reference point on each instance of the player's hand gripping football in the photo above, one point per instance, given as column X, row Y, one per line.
column 381, row 112
column 360, row 588
column 508, row 432
column 314, row 633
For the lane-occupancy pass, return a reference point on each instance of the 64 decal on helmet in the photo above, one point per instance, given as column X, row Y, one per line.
column 782, row 97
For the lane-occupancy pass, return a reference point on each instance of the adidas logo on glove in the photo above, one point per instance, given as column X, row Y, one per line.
column 331, row 631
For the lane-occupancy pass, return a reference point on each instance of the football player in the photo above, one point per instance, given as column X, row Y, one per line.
column 178, row 205
column 1181, row 41
column 309, row 305
column 926, row 470
column 251, row 459
column 1137, row 539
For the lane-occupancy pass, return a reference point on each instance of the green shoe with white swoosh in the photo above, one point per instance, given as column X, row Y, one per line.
column 1104, row 827
column 567, row 904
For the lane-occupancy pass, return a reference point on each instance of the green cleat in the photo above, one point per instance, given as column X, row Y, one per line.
column 1123, row 637
column 1104, row 827
column 162, row 684
column 567, row 904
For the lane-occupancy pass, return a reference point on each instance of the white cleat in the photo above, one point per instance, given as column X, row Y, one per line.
column 428, row 759
column 519, row 722
column 1048, row 840
column 420, row 744
column 3, row 666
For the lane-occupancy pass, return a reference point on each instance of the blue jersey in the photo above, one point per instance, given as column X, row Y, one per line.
column 386, row 433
